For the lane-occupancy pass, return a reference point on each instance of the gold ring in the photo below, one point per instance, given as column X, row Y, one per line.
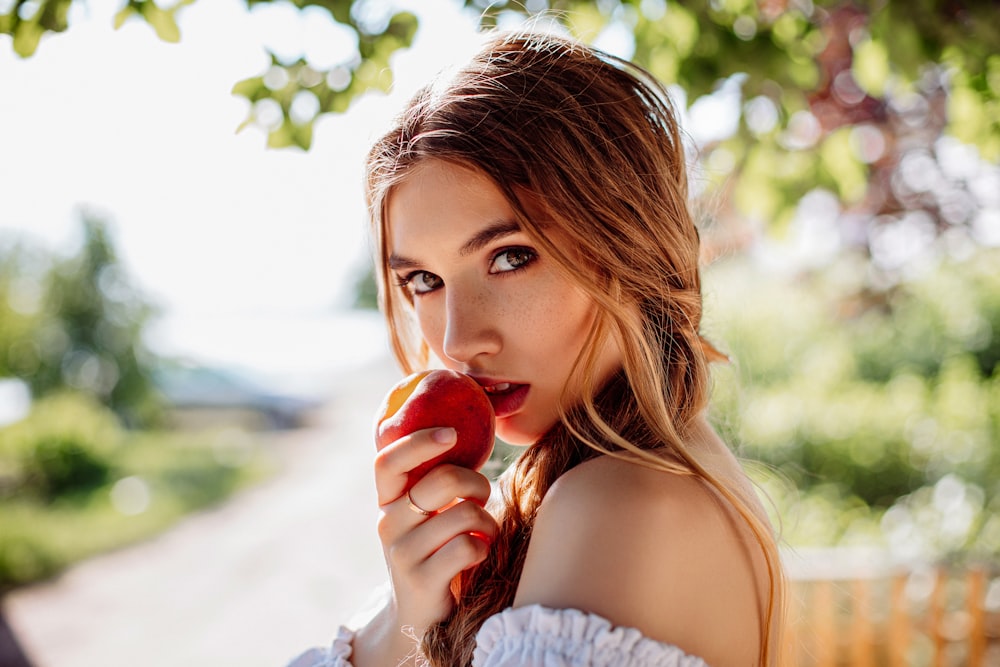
column 415, row 507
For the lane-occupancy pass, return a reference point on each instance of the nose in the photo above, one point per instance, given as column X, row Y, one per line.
column 472, row 325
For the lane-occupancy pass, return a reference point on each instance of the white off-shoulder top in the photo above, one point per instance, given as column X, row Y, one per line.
column 536, row 636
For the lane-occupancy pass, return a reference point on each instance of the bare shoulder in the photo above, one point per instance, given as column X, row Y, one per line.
column 649, row 549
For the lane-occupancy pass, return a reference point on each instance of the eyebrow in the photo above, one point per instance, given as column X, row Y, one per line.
column 479, row 240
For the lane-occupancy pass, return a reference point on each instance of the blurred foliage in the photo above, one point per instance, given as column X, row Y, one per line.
column 300, row 93
column 851, row 96
column 870, row 386
column 76, row 322
column 877, row 423
column 366, row 288
column 64, row 448
column 74, row 483
column 288, row 97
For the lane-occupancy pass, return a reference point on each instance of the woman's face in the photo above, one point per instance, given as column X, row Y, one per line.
column 488, row 302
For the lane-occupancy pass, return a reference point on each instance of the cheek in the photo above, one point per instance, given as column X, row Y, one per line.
column 431, row 327
column 573, row 316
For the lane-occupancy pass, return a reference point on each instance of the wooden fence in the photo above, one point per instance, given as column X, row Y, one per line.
column 854, row 609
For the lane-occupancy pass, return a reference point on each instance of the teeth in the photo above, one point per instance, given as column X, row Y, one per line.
column 503, row 386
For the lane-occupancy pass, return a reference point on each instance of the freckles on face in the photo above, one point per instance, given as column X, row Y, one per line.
column 488, row 301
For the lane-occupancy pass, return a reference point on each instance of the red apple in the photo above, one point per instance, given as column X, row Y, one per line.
column 439, row 398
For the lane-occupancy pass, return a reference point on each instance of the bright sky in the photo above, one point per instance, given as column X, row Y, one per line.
column 239, row 244
column 208, row 220
column 247, row 250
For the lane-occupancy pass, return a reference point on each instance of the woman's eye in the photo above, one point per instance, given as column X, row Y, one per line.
column 420, row 282
column 512, row 259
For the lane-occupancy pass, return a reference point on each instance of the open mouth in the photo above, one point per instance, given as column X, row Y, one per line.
column 506, row 398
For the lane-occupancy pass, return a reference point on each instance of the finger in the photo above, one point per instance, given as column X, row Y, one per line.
column 445, row 483
column 425, row 590
column 398, row 518
column 415, row 545
column 458, row 554
column 439, row 489
column 424, row 560
column 394, row 462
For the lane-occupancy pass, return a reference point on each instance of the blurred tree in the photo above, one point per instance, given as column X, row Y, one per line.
column 880, row 119
column 366, row 289
column 884, row 426
column 77, row 322
column 852, row 97
column 379, row 33
column 21, row 271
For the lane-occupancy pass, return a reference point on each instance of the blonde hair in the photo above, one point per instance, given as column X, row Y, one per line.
column 590, row 144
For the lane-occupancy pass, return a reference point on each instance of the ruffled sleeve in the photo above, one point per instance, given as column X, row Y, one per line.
column 337, row 655
column 535, row 636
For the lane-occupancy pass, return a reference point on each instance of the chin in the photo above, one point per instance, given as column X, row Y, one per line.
column 517, row 440
column 516, row 436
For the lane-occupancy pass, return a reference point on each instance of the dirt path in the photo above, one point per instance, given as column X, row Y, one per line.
column 251, row 583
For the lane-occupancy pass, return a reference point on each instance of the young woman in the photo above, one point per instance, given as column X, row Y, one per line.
column 531, row 221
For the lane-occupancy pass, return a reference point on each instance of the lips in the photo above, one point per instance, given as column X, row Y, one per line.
column 506, row 397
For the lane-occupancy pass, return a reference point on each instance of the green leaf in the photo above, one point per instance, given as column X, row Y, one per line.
column 847, row 172
column 27, row 35
column 755, row 194
column 681, row 28
column 289, row 135
column 974, row 111
column 788, row 28
column 586, row 23
column 871, row 67
column 53, row 15
column 250, row 88
column 993, row 75
column 163, row 23
column 123, row 15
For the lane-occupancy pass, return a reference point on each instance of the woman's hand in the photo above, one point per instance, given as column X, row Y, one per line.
column 424, row 552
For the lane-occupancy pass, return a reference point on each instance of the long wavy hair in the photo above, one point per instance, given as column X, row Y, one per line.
column 590, row 145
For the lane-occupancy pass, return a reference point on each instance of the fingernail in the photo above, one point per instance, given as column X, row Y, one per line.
column 444, row 435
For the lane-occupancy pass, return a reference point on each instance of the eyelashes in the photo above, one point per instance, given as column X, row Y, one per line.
column 504, row 262
column 517, row 258
column 416, row 282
